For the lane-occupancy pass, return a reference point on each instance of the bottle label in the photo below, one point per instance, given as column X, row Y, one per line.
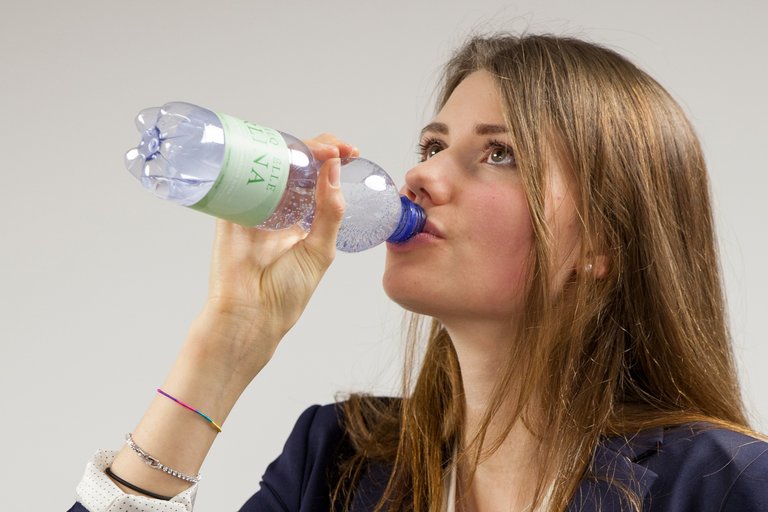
column 253, row 174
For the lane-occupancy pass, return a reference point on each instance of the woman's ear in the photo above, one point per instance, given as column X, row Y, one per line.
column 597, row 266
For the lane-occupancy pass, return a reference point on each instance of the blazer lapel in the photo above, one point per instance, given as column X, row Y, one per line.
column 615, row 466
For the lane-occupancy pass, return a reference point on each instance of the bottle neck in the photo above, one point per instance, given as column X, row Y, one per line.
column 412, row 220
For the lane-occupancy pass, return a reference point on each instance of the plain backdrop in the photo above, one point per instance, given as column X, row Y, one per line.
column 99, row 280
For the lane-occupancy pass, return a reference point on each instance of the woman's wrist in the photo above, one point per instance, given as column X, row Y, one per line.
column 206, row 377
column 230, row 346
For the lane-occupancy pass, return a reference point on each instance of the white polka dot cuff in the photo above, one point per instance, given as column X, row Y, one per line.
column 98, row 493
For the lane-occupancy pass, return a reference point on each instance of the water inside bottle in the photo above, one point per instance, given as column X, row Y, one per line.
column 372, row 209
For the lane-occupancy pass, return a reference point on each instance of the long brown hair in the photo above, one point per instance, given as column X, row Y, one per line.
column 647, row 344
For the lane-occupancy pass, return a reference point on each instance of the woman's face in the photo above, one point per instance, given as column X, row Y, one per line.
column 471, row 262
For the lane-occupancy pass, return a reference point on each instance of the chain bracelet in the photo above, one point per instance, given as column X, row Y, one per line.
column 156, row 464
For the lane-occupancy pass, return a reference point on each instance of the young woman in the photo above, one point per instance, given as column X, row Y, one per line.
column 578, row 356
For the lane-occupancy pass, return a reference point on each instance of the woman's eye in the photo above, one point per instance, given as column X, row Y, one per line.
column 432, row 150
column 429, row 148
column 501, row 155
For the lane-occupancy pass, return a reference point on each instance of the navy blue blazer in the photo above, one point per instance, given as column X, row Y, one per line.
column 693, row 468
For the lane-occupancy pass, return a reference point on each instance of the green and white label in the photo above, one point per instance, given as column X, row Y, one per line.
column 253, row 174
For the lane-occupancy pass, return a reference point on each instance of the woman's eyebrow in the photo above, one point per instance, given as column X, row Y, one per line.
column 490, row 129
column 480, row 129
column 440, row 128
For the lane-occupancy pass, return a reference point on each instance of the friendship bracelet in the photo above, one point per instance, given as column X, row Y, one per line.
column 136, row 488
column 206, row 417
column 156, row 464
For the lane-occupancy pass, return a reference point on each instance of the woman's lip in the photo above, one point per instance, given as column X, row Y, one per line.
column 420, row 240
column 432, row 229
column 430, row 235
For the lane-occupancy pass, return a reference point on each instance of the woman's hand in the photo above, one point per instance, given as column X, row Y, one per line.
column 261, row 281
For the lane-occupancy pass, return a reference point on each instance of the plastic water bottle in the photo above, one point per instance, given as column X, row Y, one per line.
column 256, row 176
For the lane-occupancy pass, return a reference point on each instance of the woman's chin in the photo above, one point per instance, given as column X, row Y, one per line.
column 408, row 295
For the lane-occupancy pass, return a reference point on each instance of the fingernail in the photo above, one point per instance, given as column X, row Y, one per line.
column 334, row 173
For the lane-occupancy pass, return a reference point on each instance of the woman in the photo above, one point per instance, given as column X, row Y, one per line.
column 578, row 356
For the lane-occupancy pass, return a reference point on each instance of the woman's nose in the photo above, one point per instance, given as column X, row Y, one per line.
column 427, row 183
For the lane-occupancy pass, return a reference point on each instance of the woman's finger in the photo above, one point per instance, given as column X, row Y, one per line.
column 329, row 211
column 322, row 151
column 325, row 140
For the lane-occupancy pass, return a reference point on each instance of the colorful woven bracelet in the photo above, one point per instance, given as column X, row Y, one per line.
column 205, row 416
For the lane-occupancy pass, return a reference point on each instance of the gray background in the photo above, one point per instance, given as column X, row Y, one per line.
column 99, row 280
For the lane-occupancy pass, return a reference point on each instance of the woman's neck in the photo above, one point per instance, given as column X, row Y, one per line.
column 482, row 349
column 508, row 475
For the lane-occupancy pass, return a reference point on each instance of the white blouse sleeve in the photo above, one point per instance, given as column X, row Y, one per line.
column 98, row 493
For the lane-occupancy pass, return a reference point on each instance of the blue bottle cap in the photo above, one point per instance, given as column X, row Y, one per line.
column 412, row 220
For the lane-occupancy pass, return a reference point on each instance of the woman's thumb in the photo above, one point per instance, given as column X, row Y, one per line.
column 329, row 211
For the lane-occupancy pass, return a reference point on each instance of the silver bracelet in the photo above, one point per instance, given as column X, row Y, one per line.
column 156, row 464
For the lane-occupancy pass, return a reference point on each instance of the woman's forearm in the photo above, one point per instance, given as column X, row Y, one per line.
column 208, row 380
